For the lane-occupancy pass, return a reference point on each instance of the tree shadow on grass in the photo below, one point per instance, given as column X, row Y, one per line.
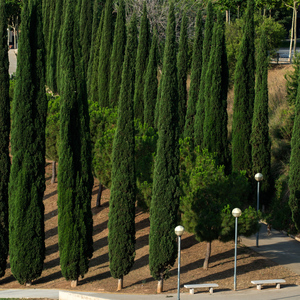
column 50, row 214
column 96, row 277
column 51, row 232
column 100, row 227
column 50, row 195
column 49, row 278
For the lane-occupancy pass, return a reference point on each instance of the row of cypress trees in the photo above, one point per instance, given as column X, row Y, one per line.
column 205, row 122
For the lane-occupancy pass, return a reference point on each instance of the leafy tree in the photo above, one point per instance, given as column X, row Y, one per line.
column 52, row 132
column 121, row 224
column 208, row 197
column 244, row 98
column 195, row 79
column 260, row 140
column 4, row 139
column 216, row 87
column 141, row 65
column 151, row 83
column 75, row 180
column 182, row 66
column 200, row 107
column 292, row 80
column 117, row 56
column 27, row 177
column 165, row 194
column 104, row 55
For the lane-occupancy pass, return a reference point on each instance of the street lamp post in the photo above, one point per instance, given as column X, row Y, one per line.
column 258, row 177
column 179, row 230
column 236, row 212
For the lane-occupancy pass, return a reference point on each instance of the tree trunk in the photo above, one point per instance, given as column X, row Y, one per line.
column 295, row 29
column 98, row 203
column 160, row 284
column 227, row 16
column 207, row 256
column 28, row 283
column 74, row 283
column 120, row 284
column 291, row 41
column 53, row 172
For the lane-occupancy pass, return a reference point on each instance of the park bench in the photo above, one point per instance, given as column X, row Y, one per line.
column 210, row 286
column 259, row 283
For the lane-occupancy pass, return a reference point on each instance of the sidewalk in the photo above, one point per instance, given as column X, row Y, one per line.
column 12, row 60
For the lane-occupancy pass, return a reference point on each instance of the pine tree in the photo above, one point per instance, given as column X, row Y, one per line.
column 53, row 53
column 200, row 106
column 244, row 97
column 93, row 92
column 104, row 55
column 4, row 138
column 121, row 224
column 117, row 56
column 75, row 180
column 141, row 65
column 216, row 87
column 195, row 79
column 182, row 66
column 165, row 193
column 260, row 140
column 86, row 21
column 151, row 83
column 27, row 177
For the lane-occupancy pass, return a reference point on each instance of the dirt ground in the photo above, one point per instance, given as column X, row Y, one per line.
column 251, row 266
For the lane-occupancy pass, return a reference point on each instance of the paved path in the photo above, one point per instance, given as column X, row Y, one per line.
column 12, row 61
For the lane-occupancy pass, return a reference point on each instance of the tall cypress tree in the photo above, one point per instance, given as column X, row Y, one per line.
column 195, row 78
column 27, row 177
column 182, row 66
column 86, row 21
column 75, row 180
column 53, row 53
column 97, row 11
column 141, row 66
column 200, row 106
column 244, row 97
column 165, row 193
column 104, row 55
column 260, row 140
column 215, row 122
column 92, row 80
column 121, row 224
column 4, row 138
column 151, row 82
column 117, row 56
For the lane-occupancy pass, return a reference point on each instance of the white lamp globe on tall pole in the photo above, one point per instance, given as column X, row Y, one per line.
column 258, row 177
column 236, row 212
column 179, row 230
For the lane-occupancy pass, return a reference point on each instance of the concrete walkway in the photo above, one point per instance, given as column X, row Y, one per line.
column 12, row 60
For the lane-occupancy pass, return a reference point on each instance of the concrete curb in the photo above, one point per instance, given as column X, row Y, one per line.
column 73, row 296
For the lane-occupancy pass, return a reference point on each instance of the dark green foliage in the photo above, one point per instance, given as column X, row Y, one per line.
column 52, row 128
column 260, row 140
column 294, row 172
column 195, row 79
column 244, row 97
column 182, row 67
column 121, row 222
column 75, row 180
column 165, row 194
column 117, row 56
column 200, row 107
column 141, row 65
column 92, row 80
column 151, row 83
column 104, row 55
column 53, row 53
column 4, row 138
column 27, row 177
column 215, row 122
column 292, row 80
column 209, row 196
column 85, row 28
